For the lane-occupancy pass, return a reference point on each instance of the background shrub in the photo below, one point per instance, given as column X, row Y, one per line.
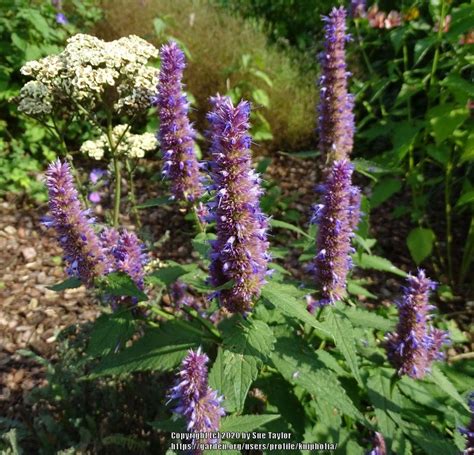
column 216, row 41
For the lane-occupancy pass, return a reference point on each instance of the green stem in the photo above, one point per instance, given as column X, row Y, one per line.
column 434, row 66
column 197, row 221
column 448, row 213
column 117, row 191
column 131, row 193
column 117, row 173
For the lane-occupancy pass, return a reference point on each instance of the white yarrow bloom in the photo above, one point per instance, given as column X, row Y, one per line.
column 89, row 68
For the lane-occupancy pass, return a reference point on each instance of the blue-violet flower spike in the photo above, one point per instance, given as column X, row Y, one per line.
column 83, row 252
column 240, row 252
column 176, row 134
column 197, row 402
column 416, row 343
column 336, row 118
column 337, row 217
column 468, row 432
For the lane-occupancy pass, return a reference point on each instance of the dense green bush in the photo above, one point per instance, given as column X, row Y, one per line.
column 28, row 31
column 216, row 42
column 413, row 86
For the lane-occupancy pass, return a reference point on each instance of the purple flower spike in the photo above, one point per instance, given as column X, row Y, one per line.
column 126, row 253
column 336, row 119
column 337, row 217
column 468, row 432
column 83, row 252
column 358, row 8
column 415, row 344
column 379, row 447
column 240, row 252
column 197, row 402
column 176, row 134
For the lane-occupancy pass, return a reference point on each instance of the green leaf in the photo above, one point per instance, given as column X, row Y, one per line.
column 355, row 288
column 120, row 284
column 403, row 138
column 201, row 243
column 282, row 297
column 422, row 46
column 156, row 202
column 110, row 331
column 69, row 283
column 246, row 346
column 383, row 190
column 261, row 97
column 159, row 349
column 456, row 83
column 298, row 366
column 368, row 319
column 370, row 261
column 446, row 385
column 284, row 225
column 343, row 334
column 245, row 423
column 445, row 118
column 380, row 393
column 466, row 198
column 420, row 243
column 429, row 440
column 168, row 275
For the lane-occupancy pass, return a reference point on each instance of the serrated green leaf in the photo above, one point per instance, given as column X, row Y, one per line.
column 120, row 284
column 110, row 331
column 379, row 390
column 246, row 423
column 282, row 297
column 437, row 376
column 370, row 261
column 343, row 334
column 299, row 367
column 284, row 225
column 363, row 318
column 246, row 346
column 358, row 290
column 69, row 283
column 168, row 275
column 156, row 202
column 429, row 440
column 159, row 349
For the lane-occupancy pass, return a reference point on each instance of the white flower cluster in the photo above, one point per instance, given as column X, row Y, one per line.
column 129, row 145
column 89, row 72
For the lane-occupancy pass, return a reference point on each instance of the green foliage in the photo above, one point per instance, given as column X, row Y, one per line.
column 247, row 345
column 413, row 84
column 27, row 32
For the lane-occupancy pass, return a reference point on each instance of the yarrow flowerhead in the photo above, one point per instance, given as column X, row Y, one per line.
column 336, row 119
column 379, row 447
column 337, row 217
column 90, row 72
column 197, row 402
column 126, row 144
column 176, row 134
column 416, row 343
column 83, row 251
column 240, row 252
column 468, row 432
